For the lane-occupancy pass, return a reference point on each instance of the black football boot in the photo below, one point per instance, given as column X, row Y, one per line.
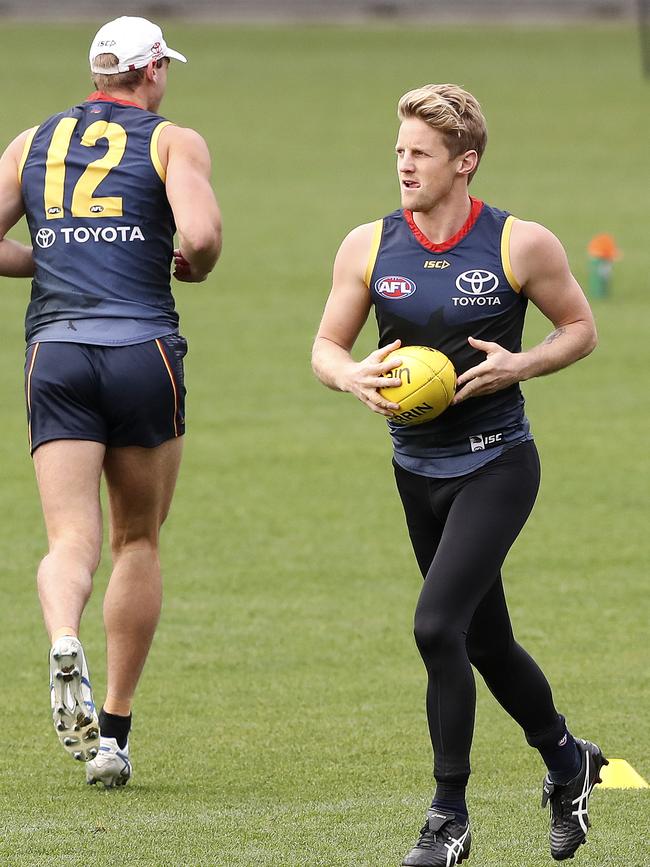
column 444, row 842
column 569, row 802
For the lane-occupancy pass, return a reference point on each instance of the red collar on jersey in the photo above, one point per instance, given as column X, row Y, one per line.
column 468, row 225
column 106, row 97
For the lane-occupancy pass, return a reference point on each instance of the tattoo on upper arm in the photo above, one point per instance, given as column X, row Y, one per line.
column 555, row 334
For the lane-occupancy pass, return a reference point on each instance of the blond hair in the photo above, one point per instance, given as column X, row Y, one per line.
column 130, row 80
column 451, row 110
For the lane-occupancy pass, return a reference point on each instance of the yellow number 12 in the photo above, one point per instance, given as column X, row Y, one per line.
column 84, row 204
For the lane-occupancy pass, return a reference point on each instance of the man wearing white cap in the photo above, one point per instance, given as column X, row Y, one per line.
column 104, row 186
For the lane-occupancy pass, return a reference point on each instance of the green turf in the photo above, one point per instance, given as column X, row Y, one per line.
column 280, row 719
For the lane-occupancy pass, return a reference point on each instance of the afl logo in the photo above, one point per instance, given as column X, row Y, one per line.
column 477, row 282
column 45, row 238
column 395, row 287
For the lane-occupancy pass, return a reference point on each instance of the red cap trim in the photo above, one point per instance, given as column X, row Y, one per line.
column 465, row 229
column 100, row 96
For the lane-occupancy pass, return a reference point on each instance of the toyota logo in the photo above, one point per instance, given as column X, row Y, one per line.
column 477, row 282
column 45, row 238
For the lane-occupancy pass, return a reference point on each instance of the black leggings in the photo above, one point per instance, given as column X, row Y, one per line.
column 461, row 530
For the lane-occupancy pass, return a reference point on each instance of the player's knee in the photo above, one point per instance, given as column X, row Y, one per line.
column 128, row 544
column 77, row 548
column 433, row 636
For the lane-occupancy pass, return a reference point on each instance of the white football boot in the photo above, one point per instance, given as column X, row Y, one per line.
column 111, row 765
column 73, row 709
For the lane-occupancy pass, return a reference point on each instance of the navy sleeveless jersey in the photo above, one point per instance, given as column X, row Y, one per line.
column 101, row 226
column 438, row 295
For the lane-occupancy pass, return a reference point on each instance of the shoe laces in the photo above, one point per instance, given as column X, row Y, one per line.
column 561, row 808
column 561, row 802
column 428, row 838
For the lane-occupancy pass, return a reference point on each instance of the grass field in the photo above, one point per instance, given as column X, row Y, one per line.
column 280, row 719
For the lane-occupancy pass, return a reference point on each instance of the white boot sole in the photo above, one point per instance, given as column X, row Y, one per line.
column 75, row 720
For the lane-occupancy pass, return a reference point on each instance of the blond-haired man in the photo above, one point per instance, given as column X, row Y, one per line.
column 460, row 274
column 104, row 185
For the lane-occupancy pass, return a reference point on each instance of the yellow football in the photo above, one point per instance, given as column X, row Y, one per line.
column 428, row 384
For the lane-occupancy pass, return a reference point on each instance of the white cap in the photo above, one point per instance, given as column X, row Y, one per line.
column 134, row 41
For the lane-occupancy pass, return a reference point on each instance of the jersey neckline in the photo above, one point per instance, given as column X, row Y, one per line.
column 445, row 246
column 101, row 96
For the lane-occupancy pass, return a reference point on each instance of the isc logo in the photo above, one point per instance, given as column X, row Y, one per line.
column 436, row 263
column 395, row 287
column 479, row 442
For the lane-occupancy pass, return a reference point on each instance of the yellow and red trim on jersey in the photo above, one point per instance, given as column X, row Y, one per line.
column 476, row 206
column 29, row 393
column 153, row 149
column 173, row 382
column 25, row 153
column 505, row 253
column 374, row 250
column 102, row 96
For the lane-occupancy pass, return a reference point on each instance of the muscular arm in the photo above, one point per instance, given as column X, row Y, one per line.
column 15, row 259
column 196, row 212
column 345, row 313
column 541, row 267
column 548, row 282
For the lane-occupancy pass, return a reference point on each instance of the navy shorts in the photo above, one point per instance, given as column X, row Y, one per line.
column 117, row 395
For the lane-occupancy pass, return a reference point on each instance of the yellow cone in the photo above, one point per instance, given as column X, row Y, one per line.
column 621, row 775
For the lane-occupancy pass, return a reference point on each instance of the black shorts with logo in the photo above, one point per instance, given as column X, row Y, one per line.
column 118, row 395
